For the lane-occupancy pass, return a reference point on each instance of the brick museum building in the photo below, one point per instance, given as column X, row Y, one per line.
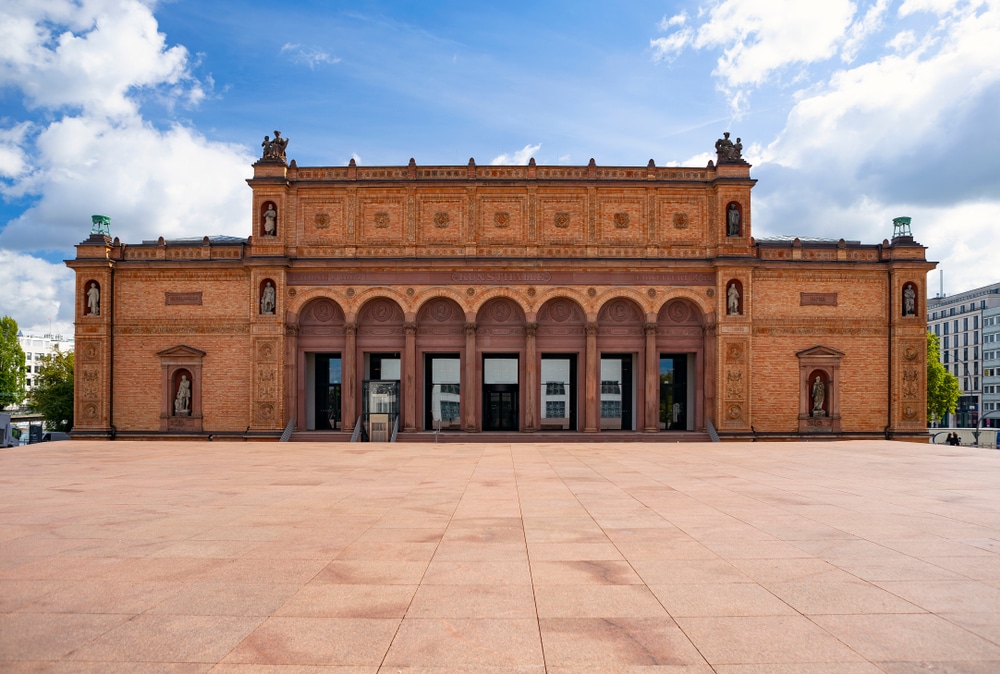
column 494, row 302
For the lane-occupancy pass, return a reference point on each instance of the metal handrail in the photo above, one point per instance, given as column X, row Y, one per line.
column 712, row 433
column 286, row 434
column 355, row 437
column 395, row 430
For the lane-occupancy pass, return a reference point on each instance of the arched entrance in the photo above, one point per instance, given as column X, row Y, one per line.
column 621, row 349
column 440, row 340
column 319, row 364
column 381, row 343
column 680, row 343
column 500, row 348
column 561, row 344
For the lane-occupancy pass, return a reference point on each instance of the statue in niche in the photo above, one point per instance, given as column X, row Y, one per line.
column 733, row 300
column 267, row 299
column 909, row 301
column 274, row 149
column 728, row 152
column 94, row 299
column 182, row 403
column 733, row 220
column 818, row 397
column 270, row 220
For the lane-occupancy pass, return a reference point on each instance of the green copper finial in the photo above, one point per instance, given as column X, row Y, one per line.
column 102, row 225
column 901, row 227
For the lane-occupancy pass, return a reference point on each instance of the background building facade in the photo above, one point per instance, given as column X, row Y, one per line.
column 504, row 299
column 960, row 322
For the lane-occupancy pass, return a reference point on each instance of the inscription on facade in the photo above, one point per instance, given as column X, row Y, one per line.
column 677, row 279
column 818, row 299
column 182, row 298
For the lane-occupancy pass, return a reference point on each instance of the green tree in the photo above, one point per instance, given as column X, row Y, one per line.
column 52, row 394
column 11, row 364
column 942, row 386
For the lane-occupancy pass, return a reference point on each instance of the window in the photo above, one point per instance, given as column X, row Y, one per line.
column 975, row 322
column 611, row 409
column 965, row 323
column 555, row 389
column 937, row 329
column 946, row 327
column 954, row 325
column 965, row 354
column 611, row 386
column 946, row 356
column 965, row 339
column 555, row 409
column 946, row 345
column 934, row 317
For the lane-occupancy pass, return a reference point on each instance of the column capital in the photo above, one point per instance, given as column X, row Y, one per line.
column 530, row 329
column 470, row 328
column 591, row 329
column 410, row 328
column 649, row 328
column 350, row 329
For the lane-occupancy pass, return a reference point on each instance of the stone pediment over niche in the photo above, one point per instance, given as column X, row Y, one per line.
column 820, row 351
column 182, row 351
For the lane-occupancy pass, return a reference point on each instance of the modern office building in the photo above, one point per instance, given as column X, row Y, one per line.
column 622, row 302
column 959, row 321
column 35, row 348
column 991, row 363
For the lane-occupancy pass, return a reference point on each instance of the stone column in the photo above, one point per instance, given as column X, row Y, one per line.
column 652, row 380
column 409, row 392
column 348, row 375
column 469, row 379
column 708, row 371
column 292, row 382
column 592, row 399
column 530, row 378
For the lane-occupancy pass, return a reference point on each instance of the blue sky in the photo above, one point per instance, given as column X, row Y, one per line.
column 852, row 113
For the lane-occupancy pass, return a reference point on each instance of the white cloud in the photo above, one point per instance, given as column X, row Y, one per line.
column 91, row 55
column 877, row 109
column 860, row 30
column 37, row 294
column 82, row 66
column 761, row 38
column 520, row 157
column 310, row 56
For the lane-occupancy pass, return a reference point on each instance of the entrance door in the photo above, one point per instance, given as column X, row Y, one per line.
column 558, row 395
column 500, row 393
column 327, row 391
column 442, row 391
column 674, row 392
column 616, row 392
column 501, row 408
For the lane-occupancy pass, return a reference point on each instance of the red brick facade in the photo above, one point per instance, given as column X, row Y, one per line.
column 500, row 276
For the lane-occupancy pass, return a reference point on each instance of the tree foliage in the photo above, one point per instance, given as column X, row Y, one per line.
column 942, row 386
column 52, row 394
column 12, row 375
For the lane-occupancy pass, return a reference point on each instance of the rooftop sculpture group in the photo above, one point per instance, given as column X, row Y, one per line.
column 274, row 149
column 728, row 152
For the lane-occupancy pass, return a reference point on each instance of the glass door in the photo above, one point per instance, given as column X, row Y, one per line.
column 674, row 392
column 500, row 393
column 442, row 391
column 616, row 392
column 558, row 394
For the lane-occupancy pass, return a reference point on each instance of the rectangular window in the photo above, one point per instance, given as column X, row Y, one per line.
column 555, row 409
column 946, row 327
column 946, row 344
column 965, row 339
column 965, row 323
column 946, row 356
column 954, row 325
column 975, row 337
column 937, row 329
column 611, row 409
column 975, row 322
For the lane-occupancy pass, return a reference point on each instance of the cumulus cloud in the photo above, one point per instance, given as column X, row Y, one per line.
column 82, row 70
column 37, row 294
column 520, row 157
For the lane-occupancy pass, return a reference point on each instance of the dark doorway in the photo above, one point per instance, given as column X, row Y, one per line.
column 500, row 393
column 500, row 407
column 327, row 391
column 674, row 392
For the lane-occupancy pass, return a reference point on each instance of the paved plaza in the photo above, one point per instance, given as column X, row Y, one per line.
column 833, row 558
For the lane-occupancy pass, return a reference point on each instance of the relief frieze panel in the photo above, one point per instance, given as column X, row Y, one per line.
column 621, row 219
column 324, row 221
column 440, row 220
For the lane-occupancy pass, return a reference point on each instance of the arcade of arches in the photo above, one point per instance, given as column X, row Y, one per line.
column 504, row 366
